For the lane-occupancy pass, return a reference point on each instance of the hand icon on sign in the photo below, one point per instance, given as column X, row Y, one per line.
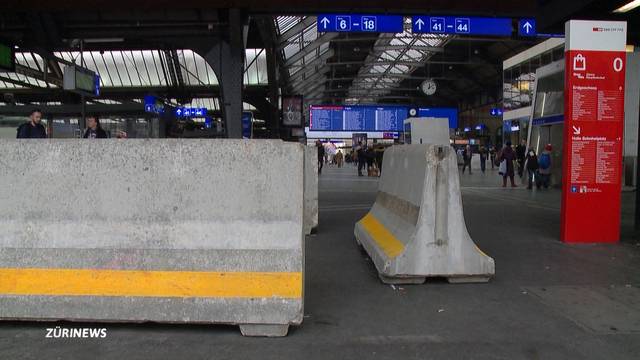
column 579, row 63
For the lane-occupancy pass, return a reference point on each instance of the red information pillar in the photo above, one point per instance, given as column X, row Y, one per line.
column 593, row 130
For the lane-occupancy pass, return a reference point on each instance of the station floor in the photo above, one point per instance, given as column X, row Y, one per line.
column 548, row 300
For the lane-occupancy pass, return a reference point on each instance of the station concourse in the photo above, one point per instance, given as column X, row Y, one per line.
column 351, row 180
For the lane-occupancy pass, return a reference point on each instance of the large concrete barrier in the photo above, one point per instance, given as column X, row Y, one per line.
column 310, row 189
column 416, row 227
column 184, row 231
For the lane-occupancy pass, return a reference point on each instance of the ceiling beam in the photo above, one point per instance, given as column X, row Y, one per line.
column 320, row 59
column 17, row 82
column 312, row 46
column 314, row 78
column 296, row 29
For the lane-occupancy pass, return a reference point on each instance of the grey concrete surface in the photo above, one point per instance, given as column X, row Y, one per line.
column 349, row 314
column 153, row 205
column 310, row 189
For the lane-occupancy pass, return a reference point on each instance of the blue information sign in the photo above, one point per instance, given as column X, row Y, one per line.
column 365, row 118
column 247, row 120
column 449, row 113
column 527, row 27
column 496, row 112
column 190, row 112
column 464, row 25
column 360, row 23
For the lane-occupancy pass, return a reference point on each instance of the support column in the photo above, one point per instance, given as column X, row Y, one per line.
column 226, row 58
column 273, row 92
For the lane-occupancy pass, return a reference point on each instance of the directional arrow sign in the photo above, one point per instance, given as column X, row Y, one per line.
column 360, row 23
column 577, row 130
column 462, row 25
column 527, row 27
column 324, row 22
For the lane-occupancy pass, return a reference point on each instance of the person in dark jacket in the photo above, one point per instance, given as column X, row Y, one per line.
column 532, row 166
column 466, row 157
column 483, row 158
column 94, row 130
column 521, row 152
column 508, row 156
column 379, row 158
column 370, row 156
column 321, row 153
column 32, row 129
column 361, row 156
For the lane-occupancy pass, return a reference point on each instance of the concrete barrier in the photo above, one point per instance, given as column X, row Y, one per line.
column 416, row 227
column 310, row 189
column 164, row 230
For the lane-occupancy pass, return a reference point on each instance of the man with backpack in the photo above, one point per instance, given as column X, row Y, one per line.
column 32, row 129
column 544, row 168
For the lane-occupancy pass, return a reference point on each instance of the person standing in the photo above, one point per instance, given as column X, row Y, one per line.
column 379, row 158
column 508, row 156
column 94, row 130
column 370, row 155
column 466, row 158
column 532, row 167
column 521, row 152
column 321, row 152
column 544, row 167
column 339, row 158
column 360, row 153
column 33, row 129
column 492, row 156
column 483, row 158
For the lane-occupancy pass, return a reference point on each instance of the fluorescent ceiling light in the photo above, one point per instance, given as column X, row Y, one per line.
column 626, row 8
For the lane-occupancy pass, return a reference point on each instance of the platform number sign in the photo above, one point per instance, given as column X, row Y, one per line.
column 369, row 23
column 437, row 25
column 343, row 23
column 462, row 26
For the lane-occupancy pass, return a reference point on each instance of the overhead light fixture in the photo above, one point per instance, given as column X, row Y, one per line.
column 628, row 7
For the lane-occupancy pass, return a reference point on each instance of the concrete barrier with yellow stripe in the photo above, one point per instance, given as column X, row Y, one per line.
column 416, row 227
column 181, row 231
column 310, row 189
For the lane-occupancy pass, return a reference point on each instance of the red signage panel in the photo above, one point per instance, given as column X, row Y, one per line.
column 594, row 126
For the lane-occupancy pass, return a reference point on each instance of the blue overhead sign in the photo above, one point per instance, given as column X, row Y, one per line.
column 360, row 23
column 527, row 27
column 462, row 25
column 496, row 112
column 190, row 112
column 247, row 124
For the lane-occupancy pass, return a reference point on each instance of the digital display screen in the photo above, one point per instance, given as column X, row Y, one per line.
column 370, row 118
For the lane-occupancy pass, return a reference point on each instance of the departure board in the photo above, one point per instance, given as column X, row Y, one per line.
column 385, row 118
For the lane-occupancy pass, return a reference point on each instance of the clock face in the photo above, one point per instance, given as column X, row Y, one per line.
column 429, row 87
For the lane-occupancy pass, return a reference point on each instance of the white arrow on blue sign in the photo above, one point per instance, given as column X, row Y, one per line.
column 527, row 27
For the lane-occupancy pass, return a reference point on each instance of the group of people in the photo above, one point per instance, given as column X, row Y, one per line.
column 33, row 129
column 337, row 159
column 369, row 157
column 363, row 156
column 538, row 168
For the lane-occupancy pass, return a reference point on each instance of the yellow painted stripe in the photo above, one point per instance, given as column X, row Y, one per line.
column 99, row 282
column 383, row 237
